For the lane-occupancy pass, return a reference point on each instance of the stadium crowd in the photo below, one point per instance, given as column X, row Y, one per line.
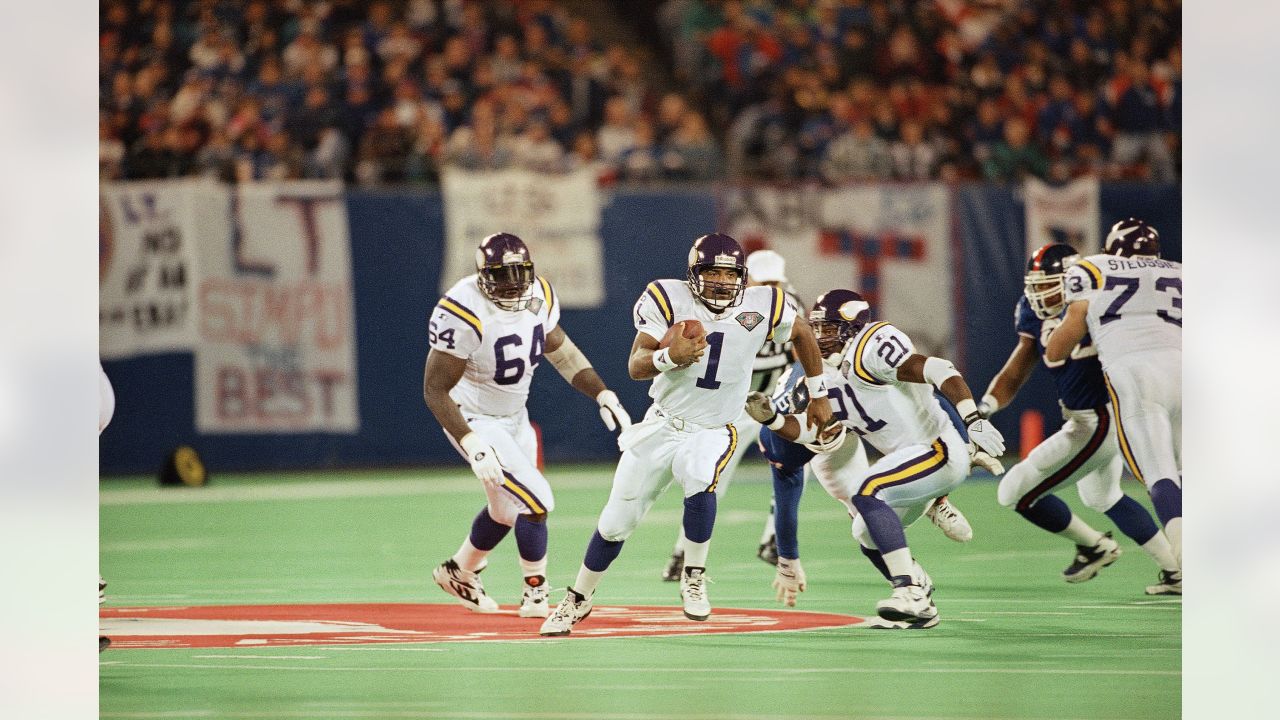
column 830, row 90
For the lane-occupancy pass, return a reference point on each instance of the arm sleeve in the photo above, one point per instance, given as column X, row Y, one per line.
column 454, row 331
column 650, row 316
column 879, row 352
column 787, row 320
column 1083, row 281
column 551, row 302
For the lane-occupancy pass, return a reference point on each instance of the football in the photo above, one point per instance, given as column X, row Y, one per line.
column 690, row 328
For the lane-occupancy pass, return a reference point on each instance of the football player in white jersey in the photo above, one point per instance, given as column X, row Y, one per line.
column 764, row 268
column 699, row 387
column 890, row 391
column 488, row 334
column 1084, row 451
column 839, row 465
column 1129, row 301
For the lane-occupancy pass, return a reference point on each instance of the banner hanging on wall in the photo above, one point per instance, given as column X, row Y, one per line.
column 1067, row 214
column 558, row 216
column 890, row 243
column 275, row 322
column 145, row 253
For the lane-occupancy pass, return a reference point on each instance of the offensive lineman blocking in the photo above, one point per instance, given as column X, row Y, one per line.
column 699, row 387
column 1129, row 301
column 1084, row 451
column 488, row 334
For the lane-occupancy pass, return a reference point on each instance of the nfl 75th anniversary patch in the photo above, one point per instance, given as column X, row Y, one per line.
column 749, row 319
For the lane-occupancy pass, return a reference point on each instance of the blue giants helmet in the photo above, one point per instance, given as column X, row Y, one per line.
column 1132, row 237
column 1042, row 284
column 717, row 251
column 505, row 271
column 836, row 317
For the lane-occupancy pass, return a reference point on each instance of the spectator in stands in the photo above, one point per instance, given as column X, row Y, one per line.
column 913, row 158
column 642, row 162
column 691, row 152
column 857, row 154
column 536, row 150
column 1138, row 112
column 1015, row 157
column 617, row 134
column 383, row 151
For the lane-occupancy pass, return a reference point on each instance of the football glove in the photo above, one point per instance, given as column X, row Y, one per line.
column 483, row 459
column 978, row 458
column 615, row 416
column 760, row 408
column 988, row 406
column 985, row 435
column 830, row 439
column 789, row 581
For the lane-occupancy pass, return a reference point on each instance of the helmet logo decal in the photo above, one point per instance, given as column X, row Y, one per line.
column 749, row 320
column 511, row 257
column 850, row 310
column 728, row 260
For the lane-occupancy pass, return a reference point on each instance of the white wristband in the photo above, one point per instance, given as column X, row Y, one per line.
column 817, row 386
column 991, row 402
column 662, row 360
column 967, row 408
column 472, row 443
column 777, row 422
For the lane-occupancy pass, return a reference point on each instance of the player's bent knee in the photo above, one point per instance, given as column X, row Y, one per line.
column 1101, row 502
column 1013, row 485
column 536, row 518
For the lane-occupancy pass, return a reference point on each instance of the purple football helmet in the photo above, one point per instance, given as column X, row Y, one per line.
column 1043, row 283
column 1132, row 237
column 836, row 317
column 717, row 250
column 505, row 271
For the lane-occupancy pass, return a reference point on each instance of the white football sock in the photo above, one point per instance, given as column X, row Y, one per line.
column 469, row 557
column 1173, row 531
column 534, row 567
column 680, row 541
column 587, row 581
column 899, row 562
column 695, row 554
column 1080, row 533
column 769, row 530
column 1161, row 550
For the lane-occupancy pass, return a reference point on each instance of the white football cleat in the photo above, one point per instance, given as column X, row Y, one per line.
column 464, row 585
column 949, row 520
column 534, row 603
column 1170, row 583
column 693, row 592
column 1090, row 560
column 573, row 609
column 102, row 590
column 909, row 604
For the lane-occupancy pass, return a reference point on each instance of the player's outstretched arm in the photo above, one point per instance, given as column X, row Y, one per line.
column 806, row 346
column 1069, row 334
column 1006, row 384
column 946, row 378
column 574, row 367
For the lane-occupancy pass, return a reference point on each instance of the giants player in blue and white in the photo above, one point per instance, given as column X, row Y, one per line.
column 838, row 461
column 1084, row 451
column 765, row 268
column 699, row 387
column 1129, row 301
column 890, row 392
column 488, row 334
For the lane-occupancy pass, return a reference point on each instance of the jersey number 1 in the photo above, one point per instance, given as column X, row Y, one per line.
column 708, row 380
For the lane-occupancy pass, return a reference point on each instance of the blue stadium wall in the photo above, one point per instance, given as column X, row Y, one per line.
column 397, row 239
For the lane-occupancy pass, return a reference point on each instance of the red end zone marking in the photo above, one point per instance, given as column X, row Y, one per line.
column 305, row 625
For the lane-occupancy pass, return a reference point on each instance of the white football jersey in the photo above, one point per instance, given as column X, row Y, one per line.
column 713, row 390
column 885, row 411
column 1135, row 303
column 775, row 355
column 502, row 347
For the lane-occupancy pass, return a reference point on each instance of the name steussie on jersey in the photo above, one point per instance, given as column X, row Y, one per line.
column 712, row 391
column 502, row 347
column 1135, row 304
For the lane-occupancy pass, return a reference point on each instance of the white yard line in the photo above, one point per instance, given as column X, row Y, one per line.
column 657, row 669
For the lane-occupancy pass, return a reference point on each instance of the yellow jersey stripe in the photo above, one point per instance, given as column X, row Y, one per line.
column 1124, row 441
column 775, row 315
column 546, row 293
column 660, row 297
column 1094, row 273
column 525, row 496
column 462, row 314
column 858, row 369
column 912, row 472
column 723, row 462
